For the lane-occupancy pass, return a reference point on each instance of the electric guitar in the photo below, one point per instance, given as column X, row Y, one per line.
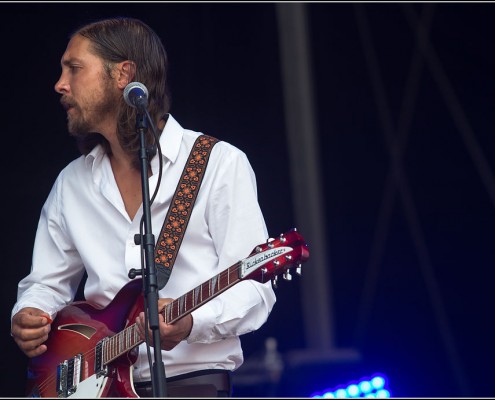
column 91, row 349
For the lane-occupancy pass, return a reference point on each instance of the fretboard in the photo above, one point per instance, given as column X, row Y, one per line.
column 201, row 294
column 126, row 340
column 121, row 343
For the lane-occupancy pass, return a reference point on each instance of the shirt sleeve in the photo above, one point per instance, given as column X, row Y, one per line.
column 237, row 226
column 56, row 269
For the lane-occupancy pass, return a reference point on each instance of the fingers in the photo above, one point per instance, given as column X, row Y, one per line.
column 32, row 348
column 170, row 334
column 30, row 329
column 140, row 325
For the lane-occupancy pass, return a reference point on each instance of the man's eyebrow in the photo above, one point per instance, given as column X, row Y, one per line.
column 69, row 61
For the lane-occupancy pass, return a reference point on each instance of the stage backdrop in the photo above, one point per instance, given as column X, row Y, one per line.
column 402, row 99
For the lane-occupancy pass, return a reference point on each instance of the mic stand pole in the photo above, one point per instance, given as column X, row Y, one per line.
column 158, row 379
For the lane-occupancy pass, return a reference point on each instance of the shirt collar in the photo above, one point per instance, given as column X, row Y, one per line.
column 170, row 141
column 94, row 156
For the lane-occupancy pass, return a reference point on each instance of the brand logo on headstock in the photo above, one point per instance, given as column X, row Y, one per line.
column 262, row 258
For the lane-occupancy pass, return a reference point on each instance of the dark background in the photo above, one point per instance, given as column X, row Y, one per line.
column 429, row 299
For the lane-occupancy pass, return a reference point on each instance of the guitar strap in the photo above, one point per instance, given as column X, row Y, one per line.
column 179, row 212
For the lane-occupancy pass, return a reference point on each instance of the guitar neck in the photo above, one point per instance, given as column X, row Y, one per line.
column 119, row 344
column 127, row 339
column 201, row 294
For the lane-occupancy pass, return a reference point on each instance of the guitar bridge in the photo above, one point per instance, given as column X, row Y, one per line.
column 69, row 375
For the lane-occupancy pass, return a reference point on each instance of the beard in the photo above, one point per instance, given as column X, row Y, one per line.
column 83, row 121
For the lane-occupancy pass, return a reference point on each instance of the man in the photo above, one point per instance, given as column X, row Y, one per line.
column 93, row 212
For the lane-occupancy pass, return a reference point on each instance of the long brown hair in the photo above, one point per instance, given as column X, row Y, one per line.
column 119, row 39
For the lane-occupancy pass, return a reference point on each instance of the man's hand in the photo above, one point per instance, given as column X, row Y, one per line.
column 170, row 334
column 30, row 329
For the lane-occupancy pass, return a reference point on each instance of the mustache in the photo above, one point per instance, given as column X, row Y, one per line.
column 67, row 102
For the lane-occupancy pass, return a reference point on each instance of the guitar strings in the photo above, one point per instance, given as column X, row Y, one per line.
column 180, row 306
column 168, row 311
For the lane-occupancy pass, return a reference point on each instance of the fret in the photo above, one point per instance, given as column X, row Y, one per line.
column 123, row 343
column 131, row 334
column 167, row 312
column 120, row 343
column 172, row 306
column 112, row 348
column 181, row 304
column 213, row 282
column 106, row 358
column 177, row 307
column 136, row 335
column 115, row 348
column 197, row 291
column 134, row 339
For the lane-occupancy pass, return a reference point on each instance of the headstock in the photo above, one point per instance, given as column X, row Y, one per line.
column 275, row 257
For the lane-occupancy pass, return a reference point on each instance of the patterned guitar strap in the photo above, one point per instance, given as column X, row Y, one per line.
column 179, row 212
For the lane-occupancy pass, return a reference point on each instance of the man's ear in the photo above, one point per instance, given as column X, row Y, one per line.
column 126, row 70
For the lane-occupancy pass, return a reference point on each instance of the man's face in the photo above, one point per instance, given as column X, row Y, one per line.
column 89, row 95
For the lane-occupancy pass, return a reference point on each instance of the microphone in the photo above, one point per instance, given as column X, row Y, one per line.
column 136, row 95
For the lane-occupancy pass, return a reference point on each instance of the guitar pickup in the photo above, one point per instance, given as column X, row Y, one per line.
column 100, row 368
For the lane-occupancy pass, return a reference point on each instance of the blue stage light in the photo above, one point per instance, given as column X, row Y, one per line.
column 365, row 387
column 353, row 390
column 375, row 386
column 378, row 382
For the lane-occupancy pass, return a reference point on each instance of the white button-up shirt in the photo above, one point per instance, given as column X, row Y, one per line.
column 84, row 226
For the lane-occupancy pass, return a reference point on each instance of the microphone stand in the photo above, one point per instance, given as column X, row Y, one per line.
column 147, row 241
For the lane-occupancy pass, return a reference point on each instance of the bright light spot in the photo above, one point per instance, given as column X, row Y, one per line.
column 353, row 390
column 378, row 382
column 383, row 394
column 365, row 388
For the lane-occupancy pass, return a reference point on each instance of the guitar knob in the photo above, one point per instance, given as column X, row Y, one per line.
column 287, row 275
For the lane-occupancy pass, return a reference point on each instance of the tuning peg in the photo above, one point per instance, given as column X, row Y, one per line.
column 258, row 249
column 274, row 281
column 282, row 238
column 269, row 242
column 299, row 269
column 287, row 275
